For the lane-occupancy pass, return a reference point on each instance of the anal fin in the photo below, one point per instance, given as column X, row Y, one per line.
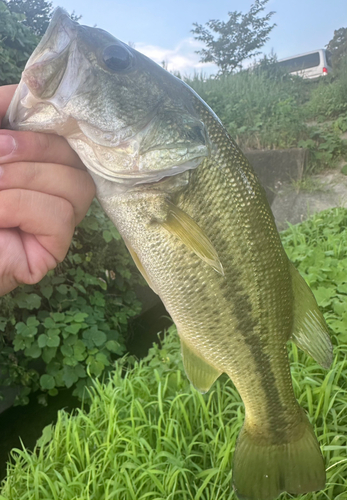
column 310, row 331
column 199, row 372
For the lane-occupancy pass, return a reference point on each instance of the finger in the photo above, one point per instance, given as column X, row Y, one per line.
column 50, row 218
column 23, row 259
column 6, row 94
column 75, row 186
column 36, row 146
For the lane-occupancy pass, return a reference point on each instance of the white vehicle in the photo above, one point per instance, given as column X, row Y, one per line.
column 310, row 65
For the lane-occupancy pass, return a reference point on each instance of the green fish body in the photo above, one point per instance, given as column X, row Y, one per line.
column 199, row 227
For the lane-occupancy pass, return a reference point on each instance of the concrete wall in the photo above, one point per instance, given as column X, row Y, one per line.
column 276, row 166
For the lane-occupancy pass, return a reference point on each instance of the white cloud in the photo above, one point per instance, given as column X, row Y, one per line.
column 181, row 58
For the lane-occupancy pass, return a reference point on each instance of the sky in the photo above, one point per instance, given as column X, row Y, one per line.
column 161, row 29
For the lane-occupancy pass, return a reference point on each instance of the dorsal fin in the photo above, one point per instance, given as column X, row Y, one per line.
column 187, row 230
column 310, row 331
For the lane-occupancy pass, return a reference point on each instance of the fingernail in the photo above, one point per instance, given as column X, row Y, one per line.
column 7, row 145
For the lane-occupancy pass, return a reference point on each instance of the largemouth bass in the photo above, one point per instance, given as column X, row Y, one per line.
column 198, row 225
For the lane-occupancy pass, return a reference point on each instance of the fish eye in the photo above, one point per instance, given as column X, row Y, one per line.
column 117, row 57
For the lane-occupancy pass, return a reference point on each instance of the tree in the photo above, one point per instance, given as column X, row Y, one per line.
column 17, row 42
column 238, row 38
column 37, row 13
column 338, row 46
column 22, row 23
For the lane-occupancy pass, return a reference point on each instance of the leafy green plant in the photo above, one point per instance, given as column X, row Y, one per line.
column 72, row 324
column 148, row 434
column 325, row 145
column 318, row 249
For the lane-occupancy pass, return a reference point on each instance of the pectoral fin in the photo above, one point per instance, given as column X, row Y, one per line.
column 200, row 374
column 187, row 230
column 310, row 331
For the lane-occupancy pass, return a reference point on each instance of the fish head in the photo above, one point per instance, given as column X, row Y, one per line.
column 128, row 119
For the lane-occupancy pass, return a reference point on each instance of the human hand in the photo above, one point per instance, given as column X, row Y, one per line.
column 42, row 199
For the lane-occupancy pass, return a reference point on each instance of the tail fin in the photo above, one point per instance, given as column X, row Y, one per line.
column 262, row 472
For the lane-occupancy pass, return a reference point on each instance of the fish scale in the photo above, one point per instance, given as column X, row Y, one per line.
column 238, row 308
column 198, row 225
column 250, row 306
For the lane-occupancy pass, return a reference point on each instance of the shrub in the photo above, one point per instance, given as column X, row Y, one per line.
column 73, row 323
column 149, row 435
column 264, row 108
column 329, row 98
column 325, row 144
column 260, row 108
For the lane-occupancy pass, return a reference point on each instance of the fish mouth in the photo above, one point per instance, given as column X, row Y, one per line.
column 43, row 75
column 46, row 67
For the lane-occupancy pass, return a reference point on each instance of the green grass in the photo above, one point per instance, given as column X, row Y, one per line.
column 148, row 435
